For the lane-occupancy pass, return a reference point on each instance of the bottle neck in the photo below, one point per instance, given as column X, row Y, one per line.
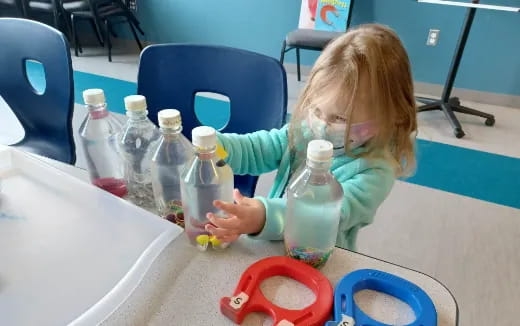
column 319, row 166
column 137, row 115
column 170, row 133
column 205, row 153
column 98, row 111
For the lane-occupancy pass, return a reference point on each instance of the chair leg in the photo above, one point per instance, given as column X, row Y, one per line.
column 130, row 16
column 74, row 35
column 457, row 128
column 135, row 34
column 298, row 64
column 454, row 101
column 425, row 100
column 55, row 20
column 429, row 107
column 97, row 31
column 107, row 40
column 139, row 28
column 113, row 32
column 68, row 23
column 282, row 55
column 23, row 9
column 490, row 119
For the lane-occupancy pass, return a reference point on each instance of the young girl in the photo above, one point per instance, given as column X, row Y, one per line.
column 360, row 97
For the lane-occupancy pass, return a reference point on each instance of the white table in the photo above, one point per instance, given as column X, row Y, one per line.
column 184, row 285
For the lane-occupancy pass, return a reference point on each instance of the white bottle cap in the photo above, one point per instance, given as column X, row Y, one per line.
column 319, row 150
column 135, row 103
column 94, row 96
column 204, row 137
column 169, row 118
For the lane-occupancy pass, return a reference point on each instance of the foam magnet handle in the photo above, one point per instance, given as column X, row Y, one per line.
column 248, row 297
column 347, row 313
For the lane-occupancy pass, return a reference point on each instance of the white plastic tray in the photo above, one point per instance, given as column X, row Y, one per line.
column 70, row 253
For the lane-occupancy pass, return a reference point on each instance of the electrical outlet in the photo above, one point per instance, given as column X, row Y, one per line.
column 433, row 37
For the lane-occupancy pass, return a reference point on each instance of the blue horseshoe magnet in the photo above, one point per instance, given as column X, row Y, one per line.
column 347, row 313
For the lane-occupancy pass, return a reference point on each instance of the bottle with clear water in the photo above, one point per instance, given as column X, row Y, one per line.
column 98, row 134
column 205, row 178
column 313, row 208
column 168, row 162
column 136, row 145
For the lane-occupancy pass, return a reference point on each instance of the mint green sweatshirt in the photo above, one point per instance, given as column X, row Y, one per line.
column 365, row 183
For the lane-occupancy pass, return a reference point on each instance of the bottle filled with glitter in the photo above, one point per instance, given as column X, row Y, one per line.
column 136, row 145
column 98, row 134
column 168, row 162
column 313, row 208
column 205, row 179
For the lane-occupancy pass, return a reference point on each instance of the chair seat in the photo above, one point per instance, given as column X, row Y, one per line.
column 310, row 38
column 8, row 2
column 104, row 12
column 41, row 5
column 70, row 6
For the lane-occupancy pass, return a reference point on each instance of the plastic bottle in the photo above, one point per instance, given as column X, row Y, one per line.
column 205, row 179
column 98, row 133
column 313, row 208
column 168, row 162
column 137, row 144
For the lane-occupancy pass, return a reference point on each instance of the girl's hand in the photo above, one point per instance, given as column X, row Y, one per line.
column 247, row 216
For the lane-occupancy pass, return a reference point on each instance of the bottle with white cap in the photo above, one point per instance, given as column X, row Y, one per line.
column 98, row 133
column 314, row 199
column 168, row 161
column 205, row 179
column 137, row 144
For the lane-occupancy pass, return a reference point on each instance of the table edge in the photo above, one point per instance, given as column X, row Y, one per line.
column 416, row 271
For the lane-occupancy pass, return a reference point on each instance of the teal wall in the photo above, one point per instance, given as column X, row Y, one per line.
column 491, row 62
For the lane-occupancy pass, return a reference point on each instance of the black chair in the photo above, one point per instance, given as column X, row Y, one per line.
column 309, row 39
column 55, row 8
column 16, row 5
column 102, row 15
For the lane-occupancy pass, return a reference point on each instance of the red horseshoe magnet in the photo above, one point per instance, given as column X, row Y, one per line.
column 248, row 297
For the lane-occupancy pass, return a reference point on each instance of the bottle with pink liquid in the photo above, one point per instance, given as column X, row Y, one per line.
column 99, row 134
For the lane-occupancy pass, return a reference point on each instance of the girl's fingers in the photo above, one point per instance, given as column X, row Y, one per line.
column 241, row 199
column 238, row 196
column 229, row 208
column 218, row 232
column 225, row 223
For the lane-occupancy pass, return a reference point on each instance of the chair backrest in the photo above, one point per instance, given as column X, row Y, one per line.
column 46, row 118
column 171, row 74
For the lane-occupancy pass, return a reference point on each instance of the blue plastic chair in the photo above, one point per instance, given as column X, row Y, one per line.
column 171, row 74
column 46, row 118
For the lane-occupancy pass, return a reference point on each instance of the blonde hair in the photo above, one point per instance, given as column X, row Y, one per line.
column 372, row 56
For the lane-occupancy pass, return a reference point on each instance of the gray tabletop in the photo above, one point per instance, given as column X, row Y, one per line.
column 184, row 285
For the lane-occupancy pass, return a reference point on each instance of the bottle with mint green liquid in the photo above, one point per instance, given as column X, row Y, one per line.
column 313, row 208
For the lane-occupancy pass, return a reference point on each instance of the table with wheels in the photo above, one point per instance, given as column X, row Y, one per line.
column 449, row 104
